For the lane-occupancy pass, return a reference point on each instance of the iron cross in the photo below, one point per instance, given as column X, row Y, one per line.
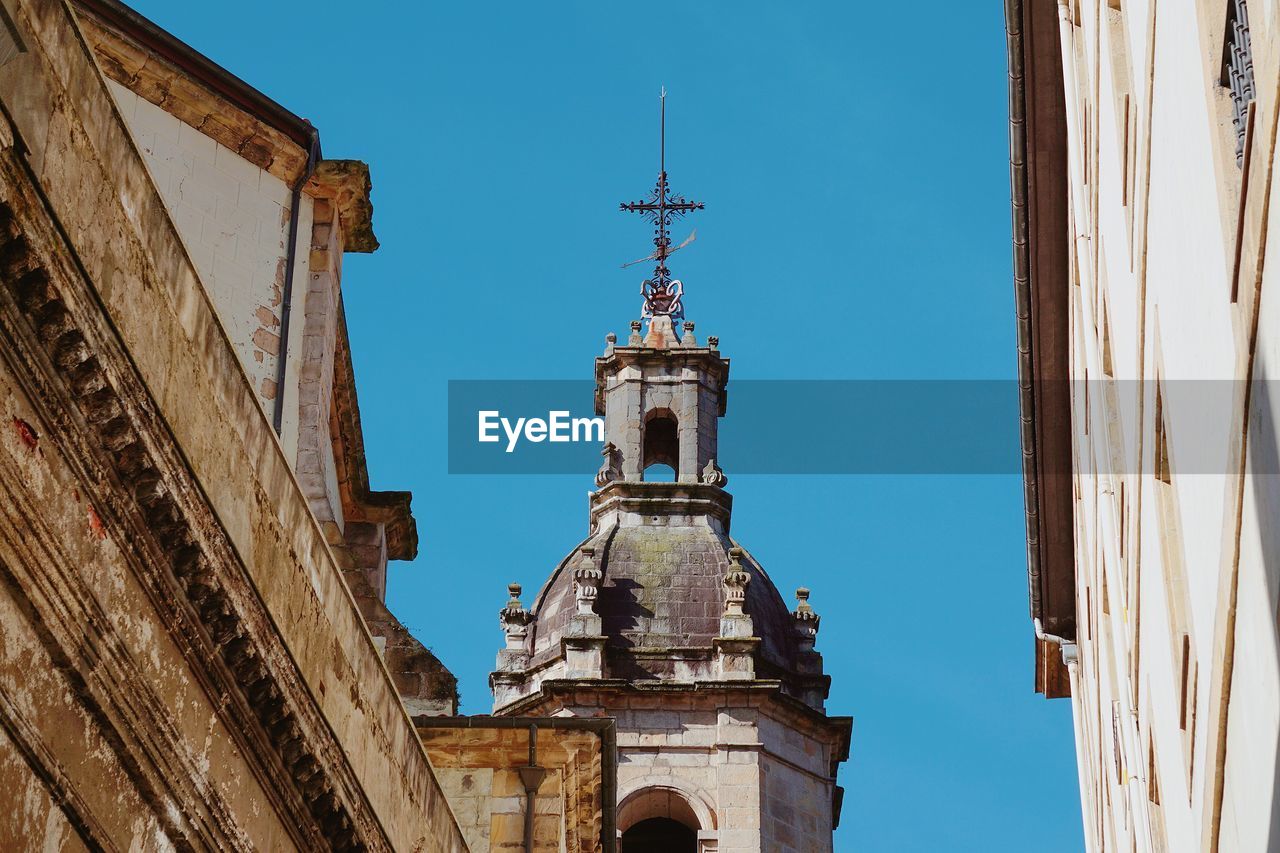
column 661, row 293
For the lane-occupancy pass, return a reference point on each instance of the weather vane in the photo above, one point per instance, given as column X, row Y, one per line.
column 662, row 294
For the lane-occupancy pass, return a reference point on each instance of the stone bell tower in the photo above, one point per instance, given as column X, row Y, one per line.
column 662, row 620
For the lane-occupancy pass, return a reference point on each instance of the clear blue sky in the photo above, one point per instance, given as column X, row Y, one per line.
column 853, row 157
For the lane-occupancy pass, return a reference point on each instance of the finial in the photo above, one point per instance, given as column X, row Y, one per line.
column 514, row 618
column 610, row 341
column 635, row 340
column 515, row 621
column 586, row 582
column 688, row 340
column 805, row 620
column 662, row 294
column 735, row 584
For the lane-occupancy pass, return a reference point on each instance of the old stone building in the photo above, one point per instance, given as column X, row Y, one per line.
column 195, row 652
column 1143, row 145
column 661, row 620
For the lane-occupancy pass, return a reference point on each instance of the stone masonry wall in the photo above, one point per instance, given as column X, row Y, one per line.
column 743, row 771
column 477, row 768
column 174, row 383
column 67, row 586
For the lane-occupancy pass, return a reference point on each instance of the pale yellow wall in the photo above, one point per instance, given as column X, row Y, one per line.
column 233, row 218
column 1155, row 204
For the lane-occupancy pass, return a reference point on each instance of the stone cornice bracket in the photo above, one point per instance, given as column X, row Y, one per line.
column 583, row 640
column 736, row 645
column 347, row 182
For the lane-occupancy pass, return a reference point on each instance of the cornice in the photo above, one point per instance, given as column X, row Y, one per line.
column 662, row 499
column 61, row 345
column 160, row 69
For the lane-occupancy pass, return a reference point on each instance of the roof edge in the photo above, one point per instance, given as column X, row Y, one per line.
column 221, row 81
column 1037, row 170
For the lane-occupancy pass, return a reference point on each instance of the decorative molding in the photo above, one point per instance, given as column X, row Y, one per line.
column 68, row 356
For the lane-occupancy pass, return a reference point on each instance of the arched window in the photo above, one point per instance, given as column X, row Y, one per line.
column 659, row 835
column 661, row 442
column 661, row 819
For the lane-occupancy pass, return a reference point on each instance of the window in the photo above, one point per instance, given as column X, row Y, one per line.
column 1237, row 70
column 661, row 441
column 659, row 834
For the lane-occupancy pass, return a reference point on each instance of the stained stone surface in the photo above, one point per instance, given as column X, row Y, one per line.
column 662, row 590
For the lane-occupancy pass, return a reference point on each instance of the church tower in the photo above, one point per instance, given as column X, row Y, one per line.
column 662, row 620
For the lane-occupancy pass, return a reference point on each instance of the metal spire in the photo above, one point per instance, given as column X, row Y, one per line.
column 661, row 292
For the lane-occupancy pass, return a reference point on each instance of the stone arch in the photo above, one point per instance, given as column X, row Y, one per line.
column 660, row 440
column 668, row 797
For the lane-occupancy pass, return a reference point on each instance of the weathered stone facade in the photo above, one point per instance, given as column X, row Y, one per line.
column 662, row 621
column 489, row 767
column 188, row 598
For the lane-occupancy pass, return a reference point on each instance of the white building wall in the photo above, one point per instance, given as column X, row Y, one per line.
column 1174, row 755
column 233, row 218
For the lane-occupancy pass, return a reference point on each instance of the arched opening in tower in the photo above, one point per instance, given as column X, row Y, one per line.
column 659, row 835
column 661, row 444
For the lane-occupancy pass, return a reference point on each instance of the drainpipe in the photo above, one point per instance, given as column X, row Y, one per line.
column 1087, row 806
column 1070, row 651
column 291, row 258
column 531, row 775
column 1071, row 658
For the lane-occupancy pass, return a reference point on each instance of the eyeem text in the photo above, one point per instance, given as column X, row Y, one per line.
column 557, row 426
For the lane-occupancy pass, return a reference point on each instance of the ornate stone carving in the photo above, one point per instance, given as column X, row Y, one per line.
column 583, row 642
column 515, row 619
column 636, row 339
column 713, row 476
column 688, row 340
column 586, row 582
column 736, row 645
column 611, row 468
column 735, row 584
column 43, row 311
column 805, row 621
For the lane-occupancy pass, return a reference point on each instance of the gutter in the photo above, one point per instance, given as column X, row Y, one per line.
column 1022, row 295
column 291, row 258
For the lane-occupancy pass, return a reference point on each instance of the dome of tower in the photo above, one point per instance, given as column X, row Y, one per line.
column 658, row 593
column 662, row 594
